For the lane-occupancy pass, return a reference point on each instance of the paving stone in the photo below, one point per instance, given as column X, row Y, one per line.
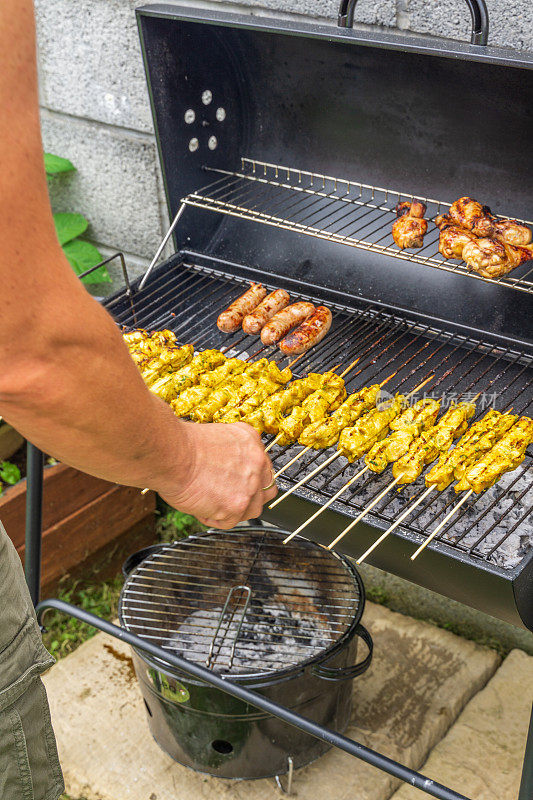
column 481, row 756
column 419, row 682
column 116, row 186
column 511, row 24
column 90, row 61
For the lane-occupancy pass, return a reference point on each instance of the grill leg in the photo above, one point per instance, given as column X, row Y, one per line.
column 34, row 516
column 526, row 786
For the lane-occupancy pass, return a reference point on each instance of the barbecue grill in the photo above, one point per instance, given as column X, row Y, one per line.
column 276, row 140
column 283, row 621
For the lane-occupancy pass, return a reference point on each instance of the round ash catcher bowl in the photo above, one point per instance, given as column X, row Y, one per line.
column 281, row 619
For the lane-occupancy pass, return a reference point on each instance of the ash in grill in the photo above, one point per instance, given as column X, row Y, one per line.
column 269, row 637
column 242, row 603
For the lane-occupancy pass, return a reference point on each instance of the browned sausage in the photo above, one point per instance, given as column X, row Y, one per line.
column 231, row 319
column 311, row 332
column 272, row 303
column 284, row 320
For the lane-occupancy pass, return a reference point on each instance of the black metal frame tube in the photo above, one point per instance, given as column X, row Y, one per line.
column 349, row 746
column 34, row 518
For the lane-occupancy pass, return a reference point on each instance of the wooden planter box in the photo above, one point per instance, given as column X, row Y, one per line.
column 81, row 515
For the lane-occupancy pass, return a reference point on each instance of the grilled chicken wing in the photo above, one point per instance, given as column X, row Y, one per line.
column 512, row 232
column 452, row 238
column 493, row 259
column 469, row 214
column 410, row 227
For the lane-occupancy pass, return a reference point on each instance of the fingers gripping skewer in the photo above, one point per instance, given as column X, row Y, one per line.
column 326, row 505
column 395, row 524
column 305, row 479
column 363, row 513
column 441, row 525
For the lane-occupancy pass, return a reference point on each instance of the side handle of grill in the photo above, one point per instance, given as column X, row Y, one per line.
column 346, row 673
column 478, row 12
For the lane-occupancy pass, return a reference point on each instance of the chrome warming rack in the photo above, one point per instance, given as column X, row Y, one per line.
column 335, row 209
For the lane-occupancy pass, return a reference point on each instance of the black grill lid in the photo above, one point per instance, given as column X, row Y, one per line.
column 242, row 602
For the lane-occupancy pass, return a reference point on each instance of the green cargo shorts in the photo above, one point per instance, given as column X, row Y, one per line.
column 29, row 766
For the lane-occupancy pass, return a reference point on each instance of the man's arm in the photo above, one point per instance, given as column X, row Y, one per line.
column 67, row 382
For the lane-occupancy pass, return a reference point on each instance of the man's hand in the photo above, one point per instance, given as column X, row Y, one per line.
column 228, row 473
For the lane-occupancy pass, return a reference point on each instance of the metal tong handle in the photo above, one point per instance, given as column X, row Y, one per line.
column 478, row 11
column 248, row 592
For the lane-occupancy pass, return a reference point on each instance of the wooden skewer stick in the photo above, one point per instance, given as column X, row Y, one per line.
column 347, row 370
column 291, row 462
column 363, row 513
column 394, row 525
column 294, row 360
column 305, row 478
column 323, row 508
column 441, row 525
column 145, row 490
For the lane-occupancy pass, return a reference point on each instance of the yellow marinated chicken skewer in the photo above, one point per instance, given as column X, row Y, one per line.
column 167, row 362
column 267, row 418
column 171, row 386
column 506, row 455
column 424, row 449
column 407, row 426
column 355, row 441
column 479, row 438
column 257, row 378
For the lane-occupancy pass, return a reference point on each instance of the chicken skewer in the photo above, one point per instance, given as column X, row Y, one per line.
column 205, row 400
column 481, row 436
column 311, row 408
column 356, row 439
column 422, row 451
column 170, row 386
column 407, row 426
column 325, row 432
column 506, row 455
column 367, row 428
column 228, row 396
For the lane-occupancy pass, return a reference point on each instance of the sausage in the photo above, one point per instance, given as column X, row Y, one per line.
column 284, row 320
column 272, row 303
column 231, row 319
column 311, row 332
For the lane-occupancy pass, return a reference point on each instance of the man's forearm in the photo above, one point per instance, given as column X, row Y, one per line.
column 82, row 382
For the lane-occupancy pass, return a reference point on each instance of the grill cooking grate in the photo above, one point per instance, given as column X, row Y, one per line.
column 495, row 527
column 241, row 603
column 339, row 210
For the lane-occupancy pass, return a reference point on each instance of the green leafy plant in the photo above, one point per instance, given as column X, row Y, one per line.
column 81, row 254
column 9, row 472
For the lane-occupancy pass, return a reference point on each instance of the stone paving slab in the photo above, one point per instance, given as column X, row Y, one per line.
column 420, row 680
column 481, row 755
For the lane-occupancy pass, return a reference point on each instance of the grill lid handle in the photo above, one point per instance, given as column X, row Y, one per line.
column 345, row 673
column 478, row 11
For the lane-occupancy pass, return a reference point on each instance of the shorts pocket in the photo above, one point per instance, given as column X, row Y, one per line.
column 29, row 764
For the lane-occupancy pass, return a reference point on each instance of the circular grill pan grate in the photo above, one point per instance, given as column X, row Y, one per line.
column 241, row 603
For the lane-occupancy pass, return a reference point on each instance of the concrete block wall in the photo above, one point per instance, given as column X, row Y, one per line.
column 95, row 107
